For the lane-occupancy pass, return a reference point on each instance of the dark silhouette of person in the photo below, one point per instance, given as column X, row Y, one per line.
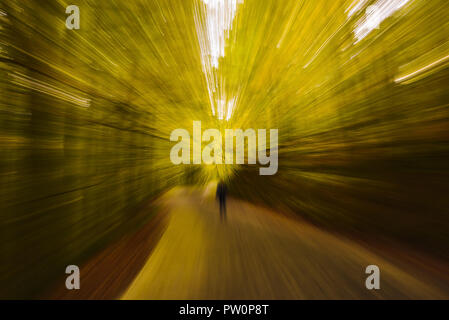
column 221, row 196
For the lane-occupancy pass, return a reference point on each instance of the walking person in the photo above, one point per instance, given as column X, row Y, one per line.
column 221, row 196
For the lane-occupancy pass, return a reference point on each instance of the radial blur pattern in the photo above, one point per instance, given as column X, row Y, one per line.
column 358, row 89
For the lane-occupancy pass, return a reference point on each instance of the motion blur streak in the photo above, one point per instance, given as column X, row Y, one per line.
column 212, row 36
column 359, row 91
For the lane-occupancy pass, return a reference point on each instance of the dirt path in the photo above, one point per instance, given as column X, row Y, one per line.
column 258, row 254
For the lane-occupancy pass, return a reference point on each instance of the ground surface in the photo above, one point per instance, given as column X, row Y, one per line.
column 260, row 254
